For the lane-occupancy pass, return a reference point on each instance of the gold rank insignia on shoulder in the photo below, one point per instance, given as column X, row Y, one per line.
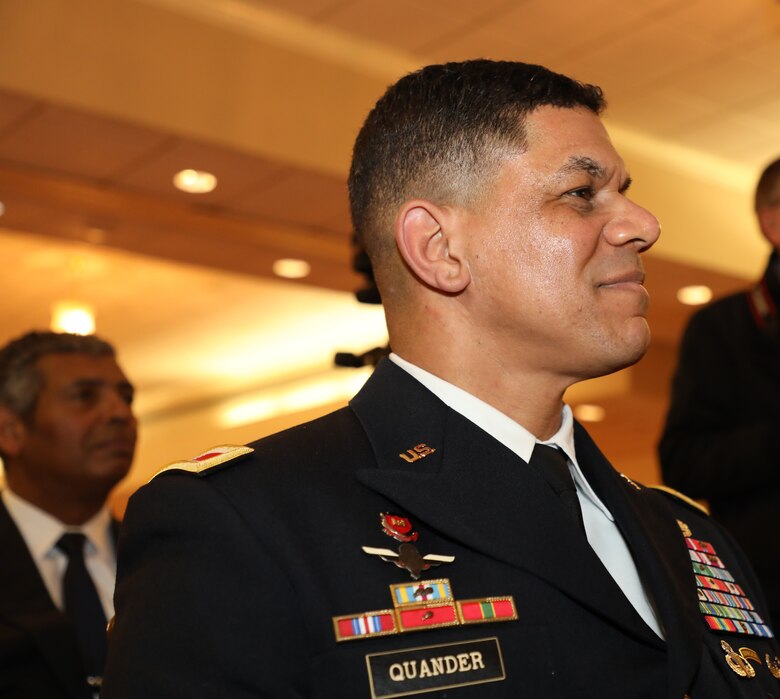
column 425, row 605
column 630, row 482
column 216, row 456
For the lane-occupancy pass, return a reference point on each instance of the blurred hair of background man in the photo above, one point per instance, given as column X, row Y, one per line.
column 720, row 440
column 67, row 436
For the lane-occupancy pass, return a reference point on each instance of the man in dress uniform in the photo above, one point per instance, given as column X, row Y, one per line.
column 67, row 436
column 453, row 532
column 720, row 438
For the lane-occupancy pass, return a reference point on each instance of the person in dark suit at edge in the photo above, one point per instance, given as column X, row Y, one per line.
column 453, row 531
column 67, row 436
column 720, row 438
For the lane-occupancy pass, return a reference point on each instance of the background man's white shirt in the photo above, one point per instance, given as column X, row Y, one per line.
column 41, row 532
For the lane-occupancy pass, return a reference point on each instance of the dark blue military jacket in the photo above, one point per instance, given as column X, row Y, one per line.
column 239, row 581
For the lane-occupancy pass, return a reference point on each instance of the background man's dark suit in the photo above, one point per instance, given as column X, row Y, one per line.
column 39, row 655
column 720, row 439
column 268, row 549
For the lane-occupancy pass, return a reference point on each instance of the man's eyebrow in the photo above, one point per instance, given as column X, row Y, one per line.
column 582, row 163
column 90, row 382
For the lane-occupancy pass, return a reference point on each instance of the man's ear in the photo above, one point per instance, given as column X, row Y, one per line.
column 769, row 221
column 12, row 432
column 425, row 236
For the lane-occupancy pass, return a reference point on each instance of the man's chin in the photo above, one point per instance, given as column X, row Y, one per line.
column 633, row 344
column 111, row 468
column 616, row 357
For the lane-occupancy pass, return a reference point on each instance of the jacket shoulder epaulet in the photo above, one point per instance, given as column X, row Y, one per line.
column 209, row 459
column 682, row 498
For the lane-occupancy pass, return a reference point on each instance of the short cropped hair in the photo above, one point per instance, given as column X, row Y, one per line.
column 440, row 132
column 20, row 380
column 767, row 188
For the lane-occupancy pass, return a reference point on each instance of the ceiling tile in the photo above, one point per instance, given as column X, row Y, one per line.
column 305, row 8
column 63, row 140
column 766, row 108
column 479, row 43
column 729, row 81
column 765, row 55
column 661, row 110
column 468, row 13
column 389, row 23
column 570, row 27
column 626, row 64
column 712, row 135
column 299, row 197
column 730, row 22
column 236, row 172
column 13, row 107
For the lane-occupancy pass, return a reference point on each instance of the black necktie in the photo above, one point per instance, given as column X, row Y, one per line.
column 554, row 467
column 83, row 607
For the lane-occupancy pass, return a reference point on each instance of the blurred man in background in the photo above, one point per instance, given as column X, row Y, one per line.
column 67, row 436
column 720, row 442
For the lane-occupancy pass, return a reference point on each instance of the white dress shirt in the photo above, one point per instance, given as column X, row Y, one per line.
column 602, row 532
column 41, row 532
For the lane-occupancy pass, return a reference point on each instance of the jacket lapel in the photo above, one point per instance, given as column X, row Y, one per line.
column 26, row 604
column 650, row 529
column 478, row 492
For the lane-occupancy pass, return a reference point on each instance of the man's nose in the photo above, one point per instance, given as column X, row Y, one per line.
column 633, row 225
column 117, row 407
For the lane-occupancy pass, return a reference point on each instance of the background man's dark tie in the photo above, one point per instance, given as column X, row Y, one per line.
column 554, row 467
column 82, row 605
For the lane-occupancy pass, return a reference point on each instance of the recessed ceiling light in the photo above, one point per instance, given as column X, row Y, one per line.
column 194, row 181
column 695, row 295
column 587, row 412
column 73, row 317
column 290, row 268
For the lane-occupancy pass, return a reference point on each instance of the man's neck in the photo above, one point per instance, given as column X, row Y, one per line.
column 68, row 508
column 534, row 404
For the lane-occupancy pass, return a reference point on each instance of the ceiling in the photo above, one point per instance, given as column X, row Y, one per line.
column 101, row 101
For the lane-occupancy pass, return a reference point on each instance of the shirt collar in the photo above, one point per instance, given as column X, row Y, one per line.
column 503, row 428
column 41, row 531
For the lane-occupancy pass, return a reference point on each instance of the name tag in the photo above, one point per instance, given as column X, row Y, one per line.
column 426, row 668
